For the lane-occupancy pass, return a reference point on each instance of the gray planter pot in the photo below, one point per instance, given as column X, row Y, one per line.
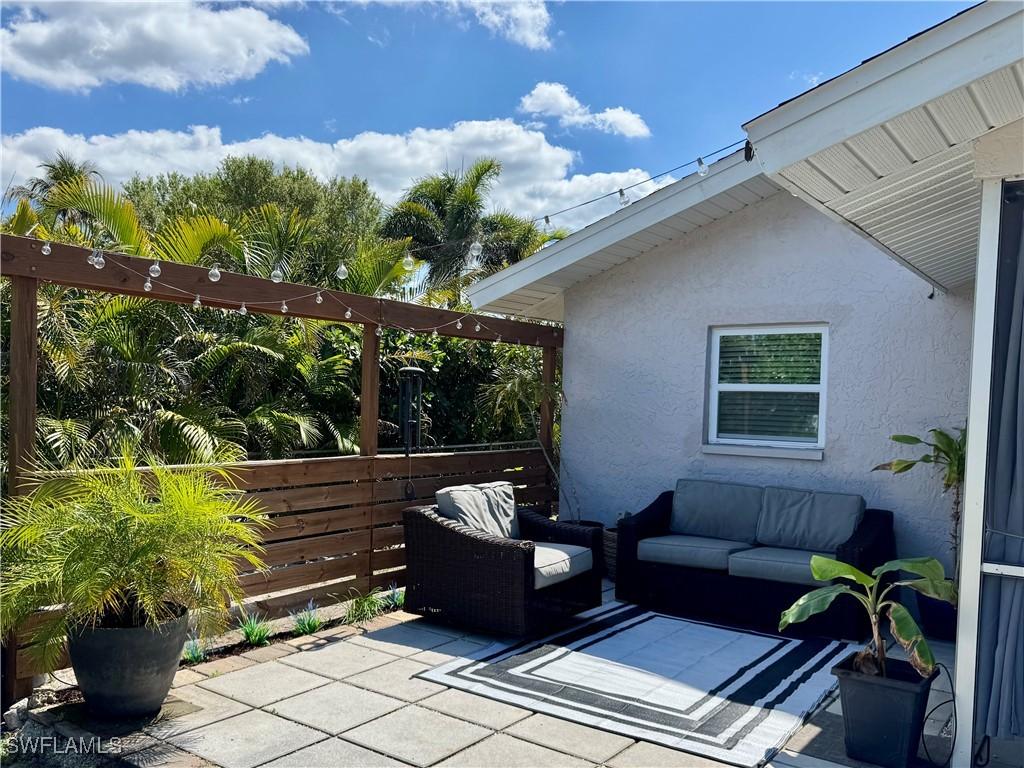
column 127, row 672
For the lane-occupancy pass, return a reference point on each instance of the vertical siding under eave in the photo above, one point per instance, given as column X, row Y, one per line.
column 636, row 351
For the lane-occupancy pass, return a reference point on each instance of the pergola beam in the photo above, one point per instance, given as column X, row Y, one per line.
column 179, row 283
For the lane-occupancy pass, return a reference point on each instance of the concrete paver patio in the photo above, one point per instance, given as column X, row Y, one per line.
column 348, row 697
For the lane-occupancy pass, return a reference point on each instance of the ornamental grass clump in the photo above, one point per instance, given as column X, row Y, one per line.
column 362, row 608
column 254, row 630
column 307, row 621
column 123, row 545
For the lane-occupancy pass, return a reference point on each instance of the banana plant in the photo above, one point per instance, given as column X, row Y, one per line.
column 874, row 593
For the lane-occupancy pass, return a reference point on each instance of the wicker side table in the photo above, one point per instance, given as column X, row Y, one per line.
column 611, row 547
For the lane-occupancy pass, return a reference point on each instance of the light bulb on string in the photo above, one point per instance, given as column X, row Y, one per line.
column 476, row 249
column 477, row 327
column 154, row 269
column 98, row 261
column 46, row 248
column 214, row 273
column 277, row 275
column 435, row 335
column 702, row 167
column 342, row 272
column 408, row 262
column 242, row 310
column 547, row 224
column 148, row 285
column 379, row 331
column 458, row 325
column 196, row 303
column 284, row 308
column 348, row 314
column 319, row 298
column 623, row 198
column 91, row 258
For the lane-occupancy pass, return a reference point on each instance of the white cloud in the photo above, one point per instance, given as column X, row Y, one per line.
column 167, row 46
column 537, row 178
column 525, row 22
column 554, row 100
column 809, row 78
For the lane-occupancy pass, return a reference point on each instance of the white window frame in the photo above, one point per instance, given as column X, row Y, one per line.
column 714, row 387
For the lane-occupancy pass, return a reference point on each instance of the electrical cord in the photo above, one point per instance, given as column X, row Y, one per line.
column 952, row 745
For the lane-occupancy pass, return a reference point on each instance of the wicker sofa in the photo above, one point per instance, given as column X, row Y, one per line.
column 468, row 577
column 739, row 554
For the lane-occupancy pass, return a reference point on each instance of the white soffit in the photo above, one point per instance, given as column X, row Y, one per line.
column 908, row 183
column 534, row 287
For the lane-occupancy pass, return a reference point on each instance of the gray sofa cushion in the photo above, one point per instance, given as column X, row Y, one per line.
column 553, row 563
column 775, row 564
column 716, row 510
column 691, row 551
column 808, row 519
column 488, row 507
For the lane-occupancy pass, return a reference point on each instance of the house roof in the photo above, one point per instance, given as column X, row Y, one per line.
column 884, row 148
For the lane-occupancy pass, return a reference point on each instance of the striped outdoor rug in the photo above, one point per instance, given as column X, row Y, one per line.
column 728, row 694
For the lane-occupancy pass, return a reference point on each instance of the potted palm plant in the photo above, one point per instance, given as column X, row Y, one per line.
column 948, row 453
column 119, row 558
column 883, row 699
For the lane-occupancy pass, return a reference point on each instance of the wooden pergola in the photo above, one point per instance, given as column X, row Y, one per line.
column 337, row 519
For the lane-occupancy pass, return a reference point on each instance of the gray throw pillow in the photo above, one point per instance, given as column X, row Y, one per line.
column 814, row 520
column 716, row 510
column 487, row 507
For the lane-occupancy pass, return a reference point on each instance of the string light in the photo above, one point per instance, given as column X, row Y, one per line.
column 476, row 249
column 319, row 298
column 408, row 263
column 242, row 310
column 623, row 199
column 46, row 248
column 148, row 285
column 214, row 273
column 277, row 275
column 196, row 303
column 348, row 314
column 284, row 308
column 702, row 167
column 458, row 324
column 91, row 258
column 154, row 269
column 97, row 259
column 342, row 272
column 477, row 327
column 435, row 335
column 379, row 331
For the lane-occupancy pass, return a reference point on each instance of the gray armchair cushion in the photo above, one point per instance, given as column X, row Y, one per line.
column 488, row 507
column 775, row 564
column 691, row 551
column 716, row 510
column 808, row 519
column 553, row 563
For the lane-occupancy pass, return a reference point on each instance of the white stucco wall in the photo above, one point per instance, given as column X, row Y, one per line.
column 636, row 349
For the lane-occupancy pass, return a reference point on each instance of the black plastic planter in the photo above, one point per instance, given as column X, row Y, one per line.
column 883, row 716
column 127, row 672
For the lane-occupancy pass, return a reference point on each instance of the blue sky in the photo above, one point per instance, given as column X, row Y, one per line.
column 391, row 91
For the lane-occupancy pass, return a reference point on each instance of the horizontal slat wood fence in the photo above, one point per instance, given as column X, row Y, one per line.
column 336, row 523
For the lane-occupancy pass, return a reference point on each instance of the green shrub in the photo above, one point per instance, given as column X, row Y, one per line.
column 254, row 630
column 395, row 599
column 307, row 621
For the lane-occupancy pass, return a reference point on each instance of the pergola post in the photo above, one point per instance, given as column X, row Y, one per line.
column 23, row 348
column 369, row 395
column 547, row 406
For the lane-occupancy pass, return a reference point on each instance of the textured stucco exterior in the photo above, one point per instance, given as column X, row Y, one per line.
column 636, row 351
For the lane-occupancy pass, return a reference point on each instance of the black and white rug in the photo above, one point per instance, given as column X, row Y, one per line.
column 728, row 694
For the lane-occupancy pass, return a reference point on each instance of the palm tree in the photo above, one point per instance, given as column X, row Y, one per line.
column 61, row 170
column 444, row 217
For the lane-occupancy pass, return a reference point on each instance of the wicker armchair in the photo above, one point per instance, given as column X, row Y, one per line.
column 463, row 576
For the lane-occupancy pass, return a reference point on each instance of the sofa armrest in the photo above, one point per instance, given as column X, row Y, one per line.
column 536, row 527
column 444, row 545
column 872, row 543
column 651, row 521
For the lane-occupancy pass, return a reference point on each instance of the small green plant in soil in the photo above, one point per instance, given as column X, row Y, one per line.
column 307, row 621
column 255, row 631
column 365, row 607
column 395, row 599
column 195, row 651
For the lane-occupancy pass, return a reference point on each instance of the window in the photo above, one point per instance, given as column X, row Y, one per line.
column 767, row 386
